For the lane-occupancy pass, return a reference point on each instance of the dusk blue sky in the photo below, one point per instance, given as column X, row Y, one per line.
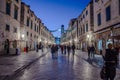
column 54, row 13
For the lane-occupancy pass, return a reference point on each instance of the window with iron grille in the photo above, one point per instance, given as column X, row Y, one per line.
column 7, row 27
column 99, row 19
column 15, row 30
column 15, row 12
column 108, row 13
column 8, row 8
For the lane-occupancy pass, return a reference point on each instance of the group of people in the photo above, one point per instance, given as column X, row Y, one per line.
column 54, row 51
column 64, row 49
column 67, row 48
column 110, row 57
column 91, row 51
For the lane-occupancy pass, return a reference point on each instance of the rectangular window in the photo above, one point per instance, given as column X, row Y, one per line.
column 81, row 31
column 86, row 13
column 108, row 13
column 28, row 11
column 15, row 12
column 27, row 33
column 31, row 34
column 31, row 24
column 99, row 19
column 86, row 27
column 28, row 22
column 8, row 7
column 15, row 30
column 7, row 27
column 96, row 0
column 81, row 19
column 35, row 27
column 83, row 16
column 16, row 0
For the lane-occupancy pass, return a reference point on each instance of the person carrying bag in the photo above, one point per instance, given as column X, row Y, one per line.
column 110, row 64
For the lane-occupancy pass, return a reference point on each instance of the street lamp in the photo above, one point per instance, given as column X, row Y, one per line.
column 23, row 36
column 88, row 36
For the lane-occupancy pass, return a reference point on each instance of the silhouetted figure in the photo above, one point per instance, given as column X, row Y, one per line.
column 54, row 50
column 27, row 48
column 88, row 49
column 37, row 47
column 110, row 63
column 65, row 49
column 92, row 51
column 7, row 46
column 73, row 49
column 62, row 48
column 68, row 50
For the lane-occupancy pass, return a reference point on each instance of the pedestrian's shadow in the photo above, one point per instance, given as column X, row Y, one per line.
column 90, row 61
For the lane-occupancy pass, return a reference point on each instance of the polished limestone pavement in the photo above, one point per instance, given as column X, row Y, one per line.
column 77, row 67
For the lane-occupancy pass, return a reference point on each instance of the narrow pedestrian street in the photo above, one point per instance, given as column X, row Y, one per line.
column 76, row 67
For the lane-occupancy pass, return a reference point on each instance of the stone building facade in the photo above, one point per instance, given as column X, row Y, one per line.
column 80, row 29
column 85, row 27
column 9, row 22
column 30, row 27
column 34, row 31
column 21, row 26
column 106, row 23
column 70, row 35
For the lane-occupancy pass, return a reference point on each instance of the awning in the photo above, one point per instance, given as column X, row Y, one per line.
column 116, row 37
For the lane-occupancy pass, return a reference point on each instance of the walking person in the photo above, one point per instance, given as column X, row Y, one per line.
column 110, row 62
column 42, row 47
column 56, row 51
column 37, row 46
column 65, row 49
column 7, row 46
column 88, row 49
column 68, row 49
column 92, row 51
column 53, row 51
column 62, row 48
column 73, row 49
column 27, row 48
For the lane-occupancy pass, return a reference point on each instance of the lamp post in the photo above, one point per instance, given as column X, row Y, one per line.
column 22, row 38
column 88, row 37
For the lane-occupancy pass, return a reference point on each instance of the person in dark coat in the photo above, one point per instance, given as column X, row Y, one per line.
column 53, row 51
column 27, row 48
column 73, row 49
column 7, row 46
column 110, row 63
column 88, row 49
column 92, row 51
column 37, row 47
column 65, row 49
column 68, row 49
column 62, row 48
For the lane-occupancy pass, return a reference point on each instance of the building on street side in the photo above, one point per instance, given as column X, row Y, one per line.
column 106, row 23
column 85, row 27
column 10, row 23
column 21, row 28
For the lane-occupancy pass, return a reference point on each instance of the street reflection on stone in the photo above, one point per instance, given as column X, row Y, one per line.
column 63, row 68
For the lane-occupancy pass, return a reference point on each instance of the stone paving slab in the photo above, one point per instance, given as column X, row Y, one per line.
column 10, row 64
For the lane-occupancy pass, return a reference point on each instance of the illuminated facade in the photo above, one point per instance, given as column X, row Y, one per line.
column 106, row 23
